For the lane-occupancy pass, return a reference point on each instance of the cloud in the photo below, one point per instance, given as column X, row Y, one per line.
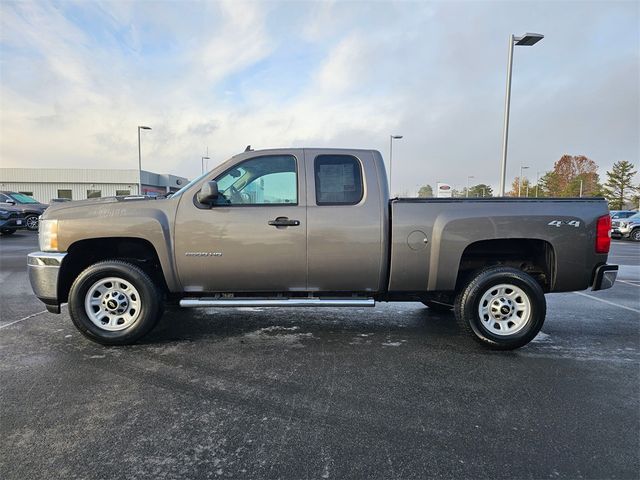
column 78, row 78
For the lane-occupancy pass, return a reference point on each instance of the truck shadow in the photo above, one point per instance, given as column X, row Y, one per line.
column 324, row 324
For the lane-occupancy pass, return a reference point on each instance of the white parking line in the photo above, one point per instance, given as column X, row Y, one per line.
column 629, row 282
column 22, row 319
column 607, row 302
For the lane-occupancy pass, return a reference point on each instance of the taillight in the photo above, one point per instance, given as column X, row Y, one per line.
column 603, row 234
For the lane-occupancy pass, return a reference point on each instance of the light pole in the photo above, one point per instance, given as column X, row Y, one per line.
column 140, row 127
column 580, row 188
column 469, row 178
column 203, row 159
column 520, row 179
column 537, row 182
column 525, row 40
column 391, row 139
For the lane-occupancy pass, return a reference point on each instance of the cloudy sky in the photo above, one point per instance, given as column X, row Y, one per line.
column 78, row 78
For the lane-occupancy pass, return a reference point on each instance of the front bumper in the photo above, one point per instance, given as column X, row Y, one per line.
column 12, row 223
column 44, row 268
column 604, row 277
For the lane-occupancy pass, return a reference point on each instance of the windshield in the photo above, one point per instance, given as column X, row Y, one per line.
column 21, row 198
column 635, row 216
column 190, row 184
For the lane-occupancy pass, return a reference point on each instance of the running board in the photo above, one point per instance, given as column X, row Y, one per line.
column 284, row 302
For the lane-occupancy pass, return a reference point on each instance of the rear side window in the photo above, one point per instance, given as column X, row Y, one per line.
column 338, row 180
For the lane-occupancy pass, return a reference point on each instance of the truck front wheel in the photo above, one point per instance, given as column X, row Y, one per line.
column 114, row 303
column 501, row 307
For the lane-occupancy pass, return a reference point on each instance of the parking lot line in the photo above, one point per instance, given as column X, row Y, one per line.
column 22, row 319
column 629, row 282
column 607, row 302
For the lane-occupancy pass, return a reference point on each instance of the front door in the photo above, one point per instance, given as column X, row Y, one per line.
column 253, row 238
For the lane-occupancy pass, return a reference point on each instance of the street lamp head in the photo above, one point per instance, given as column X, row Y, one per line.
column 142, row 127
column 396, row 137
column 524, row 168
column 206, row 158
column 528, row 39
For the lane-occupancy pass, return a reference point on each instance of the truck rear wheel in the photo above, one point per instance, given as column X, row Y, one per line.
column 114, row 303
column 501, row 307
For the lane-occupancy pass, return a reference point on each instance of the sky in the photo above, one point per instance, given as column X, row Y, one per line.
column 77, row 78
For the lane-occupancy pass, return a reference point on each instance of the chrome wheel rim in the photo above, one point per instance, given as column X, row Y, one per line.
column 112, row 304
column 504, row 309
column 32, row 222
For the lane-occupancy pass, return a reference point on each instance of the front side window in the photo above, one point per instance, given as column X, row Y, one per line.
column 270, row 180
column 338, row 180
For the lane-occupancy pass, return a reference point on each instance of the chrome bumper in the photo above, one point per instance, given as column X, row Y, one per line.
column 44, row 268
column 605, row 277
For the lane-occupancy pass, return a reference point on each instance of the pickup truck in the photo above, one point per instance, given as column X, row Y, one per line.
column 312, row 228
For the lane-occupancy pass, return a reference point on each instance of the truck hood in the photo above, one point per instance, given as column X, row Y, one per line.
column 54, row 209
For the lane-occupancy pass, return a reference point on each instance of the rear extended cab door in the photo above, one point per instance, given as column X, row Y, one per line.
column 347, row 218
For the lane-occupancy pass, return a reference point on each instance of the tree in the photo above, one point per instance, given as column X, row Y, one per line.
column 619, row 187
column 515, row 187
column 564, row 179
column 425, row 191
column 479, row 190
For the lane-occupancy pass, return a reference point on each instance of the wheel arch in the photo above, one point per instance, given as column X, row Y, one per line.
column 535, row 257
column 86, row 252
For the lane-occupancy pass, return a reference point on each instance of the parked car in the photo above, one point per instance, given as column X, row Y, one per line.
column 11, row 219
column 620, row 214
column 30, row 207
column 310, row 228
column 627, row 228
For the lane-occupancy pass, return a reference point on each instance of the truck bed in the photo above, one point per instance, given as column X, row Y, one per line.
column 431, row 238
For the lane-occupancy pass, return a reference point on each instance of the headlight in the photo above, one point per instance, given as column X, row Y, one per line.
column 48, row 235
column 622, row 225
column 4, row 213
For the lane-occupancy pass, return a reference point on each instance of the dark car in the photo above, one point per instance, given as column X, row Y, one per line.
column 620, row 214
column 30, row 207
column 11, row 219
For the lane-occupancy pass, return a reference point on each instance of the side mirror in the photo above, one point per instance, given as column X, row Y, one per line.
column 208, row 193
column 11, row 202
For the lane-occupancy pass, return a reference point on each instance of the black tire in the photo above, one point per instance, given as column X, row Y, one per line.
column 31, row 221
column 437, row 307
column 635, row 235
column 7, row 231
column 468, row 302
column 151, row 302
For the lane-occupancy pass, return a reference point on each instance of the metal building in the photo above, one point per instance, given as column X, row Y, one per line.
column 43, row 184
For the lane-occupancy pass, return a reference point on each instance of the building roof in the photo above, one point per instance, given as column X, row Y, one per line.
column 88, row 175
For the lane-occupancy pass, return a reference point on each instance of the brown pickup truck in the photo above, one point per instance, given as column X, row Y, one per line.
column 312, row 228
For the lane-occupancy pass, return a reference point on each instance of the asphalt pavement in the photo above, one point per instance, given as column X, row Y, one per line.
column 391, row 392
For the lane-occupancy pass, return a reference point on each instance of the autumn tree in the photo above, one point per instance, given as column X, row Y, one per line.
column 619, row 187
column 568, row 174
column 516, row 188
column 426, row 191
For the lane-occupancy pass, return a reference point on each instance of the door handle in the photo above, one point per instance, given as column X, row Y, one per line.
column 284, row 222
